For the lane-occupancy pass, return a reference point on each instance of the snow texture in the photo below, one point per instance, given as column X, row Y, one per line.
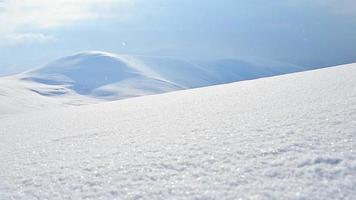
column 284, row 137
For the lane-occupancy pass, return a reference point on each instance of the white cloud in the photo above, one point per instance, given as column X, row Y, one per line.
column 54, row 13
column 29, row 38
column 18, row 16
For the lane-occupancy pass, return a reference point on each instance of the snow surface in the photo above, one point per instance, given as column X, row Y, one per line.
column 18, row 96
column 284, row 137
column 95, row 76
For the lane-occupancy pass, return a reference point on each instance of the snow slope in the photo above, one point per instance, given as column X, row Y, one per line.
column 87, row 72
column 18, row 96
column 96, row 73
column 284, row 137
column 100, row 76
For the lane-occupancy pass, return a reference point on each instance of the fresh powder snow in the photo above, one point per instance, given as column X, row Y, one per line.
column 283, row 137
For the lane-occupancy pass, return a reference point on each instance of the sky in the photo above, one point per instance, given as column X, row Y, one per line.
column 302, row 32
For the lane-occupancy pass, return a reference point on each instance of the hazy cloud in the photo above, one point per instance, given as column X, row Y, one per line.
column 338, row 7
column 29, row 38
column 48, row 14
column 345, row 7
column 31, row 18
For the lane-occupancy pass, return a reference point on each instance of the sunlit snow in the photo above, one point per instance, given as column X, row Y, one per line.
column 283, row 137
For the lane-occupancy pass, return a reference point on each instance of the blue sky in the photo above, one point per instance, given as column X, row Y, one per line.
column 303, row 32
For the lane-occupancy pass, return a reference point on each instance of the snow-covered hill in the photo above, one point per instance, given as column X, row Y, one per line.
column 284, row 137
column 100, row 76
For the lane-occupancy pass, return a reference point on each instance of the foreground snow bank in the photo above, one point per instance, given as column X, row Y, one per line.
column 286, row 137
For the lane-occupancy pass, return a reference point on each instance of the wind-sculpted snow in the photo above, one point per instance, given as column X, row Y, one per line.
column 285, row 137
column 101, row 76
column 88, row 72
column 92, row 77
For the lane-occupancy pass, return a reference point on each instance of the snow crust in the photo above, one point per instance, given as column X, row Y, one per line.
column 285, row 137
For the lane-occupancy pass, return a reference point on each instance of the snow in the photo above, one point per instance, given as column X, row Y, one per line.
column 87, row 73
column 284, row 137
column 18, row 96
column 94, row 76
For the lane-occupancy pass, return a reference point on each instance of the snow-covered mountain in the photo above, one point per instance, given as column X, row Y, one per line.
column 95, row 76
column 100, row 74
column 284, row 137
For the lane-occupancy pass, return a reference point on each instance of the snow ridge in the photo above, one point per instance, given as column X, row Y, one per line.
column 96, row 76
